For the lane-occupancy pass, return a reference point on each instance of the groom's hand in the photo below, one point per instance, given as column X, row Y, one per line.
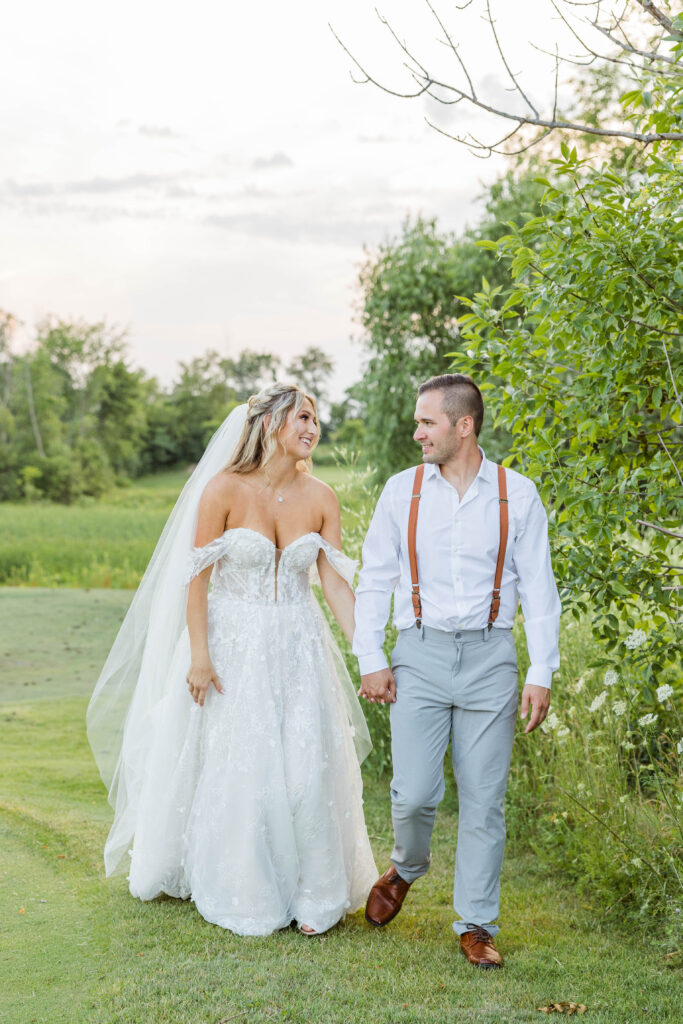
column 378, row 687
column 538, row 697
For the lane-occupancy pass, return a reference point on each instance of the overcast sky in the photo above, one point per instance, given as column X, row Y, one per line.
column 207, row 173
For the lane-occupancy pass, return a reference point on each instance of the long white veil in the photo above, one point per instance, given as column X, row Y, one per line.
column 137, row 672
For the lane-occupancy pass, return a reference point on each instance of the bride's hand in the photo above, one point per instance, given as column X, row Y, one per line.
column 199, row 678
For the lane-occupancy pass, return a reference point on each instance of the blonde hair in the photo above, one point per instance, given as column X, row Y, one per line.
column 258, row 443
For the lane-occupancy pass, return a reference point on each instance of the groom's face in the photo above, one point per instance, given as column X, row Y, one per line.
column 435, row 432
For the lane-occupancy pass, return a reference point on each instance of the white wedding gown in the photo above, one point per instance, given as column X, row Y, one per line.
column 252, row 805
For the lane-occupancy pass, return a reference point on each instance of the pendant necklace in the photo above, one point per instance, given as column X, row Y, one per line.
column 281, row 493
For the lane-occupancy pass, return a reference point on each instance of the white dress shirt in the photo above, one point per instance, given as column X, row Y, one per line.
column 457, row 548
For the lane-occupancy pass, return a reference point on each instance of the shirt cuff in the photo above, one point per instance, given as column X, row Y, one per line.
column 368, row 663
column 539, row 675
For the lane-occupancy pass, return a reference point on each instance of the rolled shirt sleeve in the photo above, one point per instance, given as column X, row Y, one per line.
column 538, row 594
column 378, row 577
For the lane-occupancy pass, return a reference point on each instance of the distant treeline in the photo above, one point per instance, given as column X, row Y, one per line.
column 75, row 417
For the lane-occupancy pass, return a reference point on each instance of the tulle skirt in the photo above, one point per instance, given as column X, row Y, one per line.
column 252, row 804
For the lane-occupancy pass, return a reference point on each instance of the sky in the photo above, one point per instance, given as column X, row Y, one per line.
column 207, row 175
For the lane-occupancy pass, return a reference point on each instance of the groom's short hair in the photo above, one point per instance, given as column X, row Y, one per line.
column 460, row 396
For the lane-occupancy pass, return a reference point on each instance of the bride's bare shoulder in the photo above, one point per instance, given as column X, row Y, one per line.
column 223, row 486
column 320, row 491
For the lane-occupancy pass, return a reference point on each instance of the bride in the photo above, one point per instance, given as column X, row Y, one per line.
column 225, row 724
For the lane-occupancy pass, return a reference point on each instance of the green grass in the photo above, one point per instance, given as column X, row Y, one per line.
column 83, row 950
column 104, row 543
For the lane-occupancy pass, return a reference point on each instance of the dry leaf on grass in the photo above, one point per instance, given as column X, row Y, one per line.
column 563, row 1008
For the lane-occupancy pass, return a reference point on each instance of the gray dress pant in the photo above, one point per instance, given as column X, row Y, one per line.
column 460, row 685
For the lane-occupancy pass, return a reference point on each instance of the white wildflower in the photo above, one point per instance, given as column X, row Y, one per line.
column 664, row 692
column 581, row 788
column 580, row 683
column 637, row 862
column 598, row 701
column 635, row 639
column 551, row 723
column 611, row 678
column 562, row 732
column 679, row 747
column 619, row 708
column 646, row 720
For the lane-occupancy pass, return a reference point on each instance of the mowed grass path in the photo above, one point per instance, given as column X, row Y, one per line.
column 76, row 947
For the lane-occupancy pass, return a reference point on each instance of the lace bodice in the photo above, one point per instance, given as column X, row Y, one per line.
column 248, row 567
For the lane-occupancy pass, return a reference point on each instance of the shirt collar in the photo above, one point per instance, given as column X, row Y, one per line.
column 486, row 471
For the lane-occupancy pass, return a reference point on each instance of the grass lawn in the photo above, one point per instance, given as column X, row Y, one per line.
column 75, row 947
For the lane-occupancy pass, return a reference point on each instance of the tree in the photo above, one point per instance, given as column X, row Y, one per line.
column 637, row 41
column 409, row 313
column 312, row 370
column 118, row 394
column 250, row 372
column 589, row 341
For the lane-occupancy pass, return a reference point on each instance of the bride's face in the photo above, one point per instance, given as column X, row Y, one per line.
column 300, row 432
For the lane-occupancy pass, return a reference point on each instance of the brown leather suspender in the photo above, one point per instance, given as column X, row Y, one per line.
column 503, row 505
column 412, row 544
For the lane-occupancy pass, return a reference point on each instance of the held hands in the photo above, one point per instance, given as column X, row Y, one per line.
column 378, row 687
column 199, row 678
column 539, row 699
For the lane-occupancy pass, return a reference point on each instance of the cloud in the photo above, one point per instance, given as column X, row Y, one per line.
column 158, row 131
column 128, row 183
column 181, row 192
column 36, row 190
column 276, row 160
column 378, row 139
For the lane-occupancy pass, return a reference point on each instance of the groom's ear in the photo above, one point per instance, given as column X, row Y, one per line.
column 466, row 425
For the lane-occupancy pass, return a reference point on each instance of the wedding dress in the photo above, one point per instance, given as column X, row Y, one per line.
column 252, row 804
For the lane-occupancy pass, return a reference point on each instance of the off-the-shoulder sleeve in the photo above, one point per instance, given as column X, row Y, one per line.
column 200, row 558
column 341, row 563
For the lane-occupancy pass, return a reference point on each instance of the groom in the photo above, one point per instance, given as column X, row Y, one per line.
column 458, row 542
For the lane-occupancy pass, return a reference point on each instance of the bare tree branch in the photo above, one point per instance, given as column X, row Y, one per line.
column 453, row 47
column 513, row 78
column 671, row 374
column 659, row 529
column 452, row 94
column 625, row 46
column 652, row 55
column 32, row 410
column 655, row 13
column 671, row 459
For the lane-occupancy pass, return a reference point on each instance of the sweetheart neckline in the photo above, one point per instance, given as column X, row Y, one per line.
column 250, row 529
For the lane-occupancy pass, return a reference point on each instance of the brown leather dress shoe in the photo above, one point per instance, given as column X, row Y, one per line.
column 478, row 947
column 386, row 897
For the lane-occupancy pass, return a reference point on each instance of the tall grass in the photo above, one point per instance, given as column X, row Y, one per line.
column 105, row 543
